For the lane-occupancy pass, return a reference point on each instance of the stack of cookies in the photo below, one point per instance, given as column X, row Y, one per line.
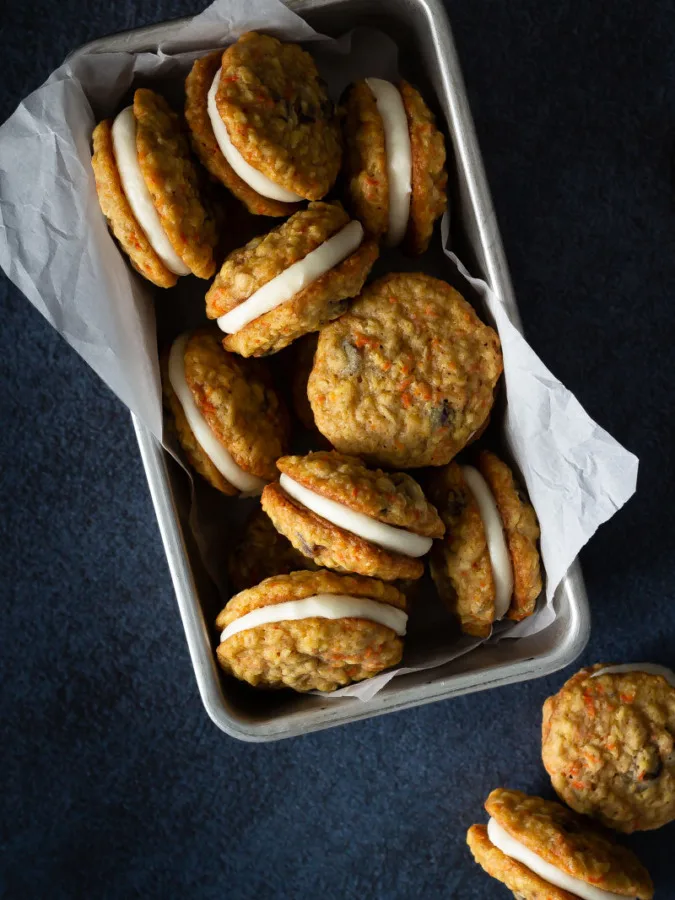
column 390, row 379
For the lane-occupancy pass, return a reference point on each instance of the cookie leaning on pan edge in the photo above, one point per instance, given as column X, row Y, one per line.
column 312, row 631
column 228, row 417
column 394, row 164
column 343, row 515
column 148, row 190
column 488, row 566
column 406, row 377
column 540, row 849
column 291, row 281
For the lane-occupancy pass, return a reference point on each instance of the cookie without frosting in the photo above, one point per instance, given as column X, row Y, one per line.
column 406, row 377
column 608, row 744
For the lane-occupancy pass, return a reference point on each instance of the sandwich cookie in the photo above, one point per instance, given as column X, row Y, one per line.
column 263, row 124
column 394, row 163
column 406, row 377
column 608, row 743
column 201, row 87
column 229, row 419
column 148, row 189
column 345, row 516
column 488, row 565
column 290, row 281
column 540, row 849
column 312, row 631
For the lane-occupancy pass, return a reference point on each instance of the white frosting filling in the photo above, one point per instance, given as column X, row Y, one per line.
column 219, row 456
column 398, row 540
column 322, row 606
column 253, row 178
column 649, row 668
column 515, row 850
column 399, row 156
column 500, row 560
column 137, row 193
column 293, row 279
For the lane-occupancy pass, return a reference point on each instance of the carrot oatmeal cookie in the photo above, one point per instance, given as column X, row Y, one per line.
column 488, row 566
column 271, row 118
column 291, row 281
column 312, row 631
column 608, row 743
column 345, row 516
column 542, row 851
column 406, row 378
column 198, row 112
column 229, row 419
column 262, row 552
column 148, row 189
column 394, row 163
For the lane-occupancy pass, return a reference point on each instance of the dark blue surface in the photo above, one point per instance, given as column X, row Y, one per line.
column 115, row 782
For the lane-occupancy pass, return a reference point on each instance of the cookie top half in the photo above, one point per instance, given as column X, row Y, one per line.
column 205, row 144
column 569, row 842
column 390, row 497
column 406, row 377
column 608, row 743
column 278, row 114
column 460, row 562
column 171, row 178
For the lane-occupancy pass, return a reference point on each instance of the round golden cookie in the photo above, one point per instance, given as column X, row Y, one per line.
column 116, row 209
column 171, row 178
column 205, row 145
column 278, row 114
column 365, row 165
column 406, row 378
column 328, row 545
column 309, row 654
column 246, row 270
column 262, row 552
column 460, row 563
column 521, row 530
column 608, row 744
column 240, row 406
column 569, row 842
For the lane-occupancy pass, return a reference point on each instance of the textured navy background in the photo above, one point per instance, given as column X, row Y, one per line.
column 115, row 782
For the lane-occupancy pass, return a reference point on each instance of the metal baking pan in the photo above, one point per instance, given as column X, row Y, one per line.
column 422, row 31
